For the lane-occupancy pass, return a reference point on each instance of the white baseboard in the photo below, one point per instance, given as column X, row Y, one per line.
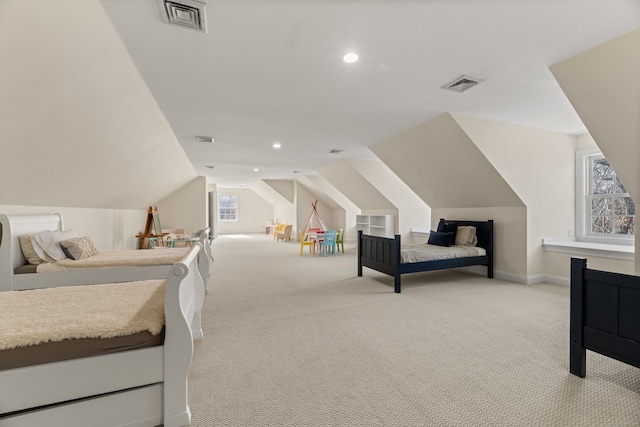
column 517, row 278
column 532, row 280
column 561, row 281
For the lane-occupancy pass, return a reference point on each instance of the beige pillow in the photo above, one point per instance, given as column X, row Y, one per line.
column 466, row 235
column 47, row 244
column 27, row 250
column 79, row 247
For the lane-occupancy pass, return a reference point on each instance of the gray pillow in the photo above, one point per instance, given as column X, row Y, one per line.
column 29, row 253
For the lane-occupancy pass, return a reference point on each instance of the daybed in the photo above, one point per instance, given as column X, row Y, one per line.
column 604, row 316
column 84, row 271
column 386, row 255
column 143, row 387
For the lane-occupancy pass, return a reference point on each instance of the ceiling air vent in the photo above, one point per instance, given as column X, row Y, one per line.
column 208, row 139
column 462, row 83
column 185, row 13
column 335, row 151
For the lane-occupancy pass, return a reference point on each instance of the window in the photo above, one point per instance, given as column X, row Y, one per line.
column 228, row 207
column 603, row 206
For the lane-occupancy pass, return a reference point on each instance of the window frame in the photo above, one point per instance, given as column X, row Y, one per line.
column 222, row 206
column 583, row 212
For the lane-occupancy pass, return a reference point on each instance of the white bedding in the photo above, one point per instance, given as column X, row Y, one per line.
column 418, row 252
column 117, row 259
column 92, row 311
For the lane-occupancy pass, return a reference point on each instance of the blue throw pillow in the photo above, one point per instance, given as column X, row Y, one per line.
column 440, row 239
column 448, row 227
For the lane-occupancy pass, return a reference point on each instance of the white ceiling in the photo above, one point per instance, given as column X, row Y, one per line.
column 272, row 70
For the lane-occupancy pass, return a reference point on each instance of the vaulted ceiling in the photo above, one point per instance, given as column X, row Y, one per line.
column 100, row 100
column 270, row 71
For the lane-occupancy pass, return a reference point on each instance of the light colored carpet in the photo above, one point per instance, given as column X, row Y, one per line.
column 303, row 341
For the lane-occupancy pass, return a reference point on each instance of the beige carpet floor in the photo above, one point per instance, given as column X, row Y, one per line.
column 303, row 341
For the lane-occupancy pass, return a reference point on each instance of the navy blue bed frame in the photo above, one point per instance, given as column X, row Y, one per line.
column 383, row 254
column 605, row 316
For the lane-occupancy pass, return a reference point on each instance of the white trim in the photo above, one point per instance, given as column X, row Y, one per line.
column 532, row 280
column 556, row 280
column 517, row 278
column 510, row 277
column 582, row 190
column 583, row 182
column 420, row 231
column 577, row 247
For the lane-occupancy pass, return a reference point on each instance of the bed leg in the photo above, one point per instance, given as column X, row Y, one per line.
column 396, row 284
column 359, row 253
column 577, row 352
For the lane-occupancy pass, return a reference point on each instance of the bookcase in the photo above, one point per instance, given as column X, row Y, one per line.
column 376, row 225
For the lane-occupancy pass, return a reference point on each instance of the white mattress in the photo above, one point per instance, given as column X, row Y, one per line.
column 118, row 259
column 418, row 252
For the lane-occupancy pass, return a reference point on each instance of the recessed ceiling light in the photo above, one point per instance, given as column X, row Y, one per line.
column 241, row 185
column 256, row 169
column 350, row 58
column 276, row 145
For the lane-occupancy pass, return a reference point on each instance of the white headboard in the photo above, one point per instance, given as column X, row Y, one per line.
column 13, row 226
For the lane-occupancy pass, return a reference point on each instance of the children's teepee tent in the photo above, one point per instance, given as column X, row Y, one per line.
column 315, row 221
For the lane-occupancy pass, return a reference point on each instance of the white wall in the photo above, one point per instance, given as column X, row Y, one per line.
column 540, row 168
column 253, row 211
column 110, row 229
column 557, row 266
column 79, row 124
column 281, row 196
column 602, row 85
column 412, row 211
column 333, row 219
column 510, row 236
column 444, row 167
column 342, row 176
column 344, row 210
column 185, row 208
column 284, row 187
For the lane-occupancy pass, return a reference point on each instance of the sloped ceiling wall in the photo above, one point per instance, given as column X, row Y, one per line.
column 79, row 126
column 444, row 167
column 326, row 192
column 355, row 187
column 603, row 85
column 285, row 188
column 413, row 212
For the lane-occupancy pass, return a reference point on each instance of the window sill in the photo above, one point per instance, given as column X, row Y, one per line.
column 575, row 247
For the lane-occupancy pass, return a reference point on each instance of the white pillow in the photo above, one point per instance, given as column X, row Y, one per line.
column 47, row 244
column 466, row 235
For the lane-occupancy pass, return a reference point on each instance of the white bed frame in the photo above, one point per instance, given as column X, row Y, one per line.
column 11, row 257
column 145, row 387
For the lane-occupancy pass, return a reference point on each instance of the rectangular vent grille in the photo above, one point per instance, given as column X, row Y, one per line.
column 185, row 13
column 208, row 139
column 462, row 83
